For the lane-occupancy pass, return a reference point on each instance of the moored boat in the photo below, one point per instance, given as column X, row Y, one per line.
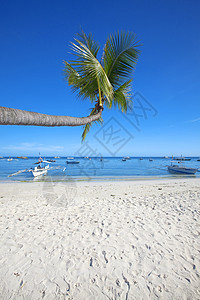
column 41, row 169
column 178, row 169
column 181, row 158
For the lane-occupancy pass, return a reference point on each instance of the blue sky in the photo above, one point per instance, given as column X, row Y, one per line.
column 35, row 37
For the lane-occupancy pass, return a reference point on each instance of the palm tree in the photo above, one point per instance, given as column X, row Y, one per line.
column 105, row 81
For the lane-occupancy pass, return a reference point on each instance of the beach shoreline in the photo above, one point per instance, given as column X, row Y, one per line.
column 101, row 179
column 99, row 240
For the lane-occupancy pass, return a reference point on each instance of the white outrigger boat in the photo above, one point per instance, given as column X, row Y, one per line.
column 41, row 169
column 178, row 169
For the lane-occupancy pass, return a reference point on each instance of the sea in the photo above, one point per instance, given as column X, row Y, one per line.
column 94, row 168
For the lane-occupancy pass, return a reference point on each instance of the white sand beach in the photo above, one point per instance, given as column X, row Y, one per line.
column 100, row 240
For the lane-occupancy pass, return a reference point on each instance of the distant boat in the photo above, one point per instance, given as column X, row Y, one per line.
column 56, row 156
column 166, row 156
column 51, row 160
column 74, row 162
column 124, row 159
column 198, row 159
column 10, row 159
column 22, row 157
column 150, row 159
column 141, row 158
column 182, row 158
column 127, row 157
column 178, row 169
column 70, row 157
column 101, row 159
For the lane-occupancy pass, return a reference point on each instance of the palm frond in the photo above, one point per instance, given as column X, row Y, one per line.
column 89, row 42
column 122, row 97
column 90, row 69
column 79, row 85
column 120, row 57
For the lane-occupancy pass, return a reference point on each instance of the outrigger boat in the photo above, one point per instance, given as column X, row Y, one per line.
column 178, row 169
column 41, row 169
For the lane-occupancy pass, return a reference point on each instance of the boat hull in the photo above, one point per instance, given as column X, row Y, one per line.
column 181, row 170
column 40, row 171
column 72, row 162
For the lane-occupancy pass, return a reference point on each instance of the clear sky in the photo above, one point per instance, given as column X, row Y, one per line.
column 35, row 38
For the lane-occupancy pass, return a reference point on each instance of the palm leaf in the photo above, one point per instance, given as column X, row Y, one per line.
column 90, row 71
column 120, row 57
column 79, row 85
column 89, row 42
column 122, row 97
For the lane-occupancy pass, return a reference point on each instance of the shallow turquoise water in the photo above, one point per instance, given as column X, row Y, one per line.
column 109, row 168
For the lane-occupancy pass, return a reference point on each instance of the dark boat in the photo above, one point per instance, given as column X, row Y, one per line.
column 72, row 162
column 182, row 158
column 178, row 169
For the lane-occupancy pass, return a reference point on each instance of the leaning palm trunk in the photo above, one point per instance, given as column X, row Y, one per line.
column 11, row 116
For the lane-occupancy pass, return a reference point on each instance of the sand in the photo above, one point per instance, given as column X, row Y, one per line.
column 100, row 240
